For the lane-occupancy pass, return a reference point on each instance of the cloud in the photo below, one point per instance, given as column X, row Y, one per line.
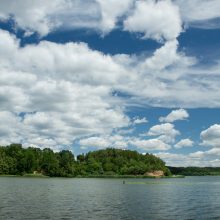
column 44, row 16
column 209, row 158
column 200, row 13
column 111, row 11
column 97, row 142
column 164, row 79
column 184, row 143
column 71, row 87
column 8, row 133
column 31, row 16
column 159, row 20
column 211, row 136
column 175, row 115
column 58, row 97
column 213, row 152
column 173, row 159
column 101, row 142
column 137, row 120
column 150, row 144
column 209, row 154
column 118, row 141
column 70, row 96
column 165, row 132
column 198, row 159
column 54, row 95
column 163, row 57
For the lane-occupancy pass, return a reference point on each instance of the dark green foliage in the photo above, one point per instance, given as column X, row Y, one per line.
column 195, row 171
column 119, row 162
column 15, row 160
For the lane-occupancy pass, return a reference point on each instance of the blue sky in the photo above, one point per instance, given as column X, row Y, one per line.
column 135, row 74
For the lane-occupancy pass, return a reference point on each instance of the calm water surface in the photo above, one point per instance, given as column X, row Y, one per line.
column 57, row 198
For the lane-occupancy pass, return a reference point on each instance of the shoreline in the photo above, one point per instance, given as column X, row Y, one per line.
column 97, row 176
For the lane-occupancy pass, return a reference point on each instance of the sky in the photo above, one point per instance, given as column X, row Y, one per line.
column 131, row 74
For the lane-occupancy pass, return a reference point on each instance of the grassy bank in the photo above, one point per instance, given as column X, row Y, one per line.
column 7, row 175
column 35, row 175
column 25, row 175
column 130, row 176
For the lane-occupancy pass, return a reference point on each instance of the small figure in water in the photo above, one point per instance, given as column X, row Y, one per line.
column 123, row 182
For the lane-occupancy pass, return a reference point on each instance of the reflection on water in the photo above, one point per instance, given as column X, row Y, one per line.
column 60, row 198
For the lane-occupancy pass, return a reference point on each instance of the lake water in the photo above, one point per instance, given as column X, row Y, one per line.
column 60, row 198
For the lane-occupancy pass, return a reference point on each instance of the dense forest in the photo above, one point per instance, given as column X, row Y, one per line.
column 195, row 171
column 15, row 160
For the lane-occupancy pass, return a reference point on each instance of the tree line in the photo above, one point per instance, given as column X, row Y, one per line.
column 16, row 160
column 195, row 171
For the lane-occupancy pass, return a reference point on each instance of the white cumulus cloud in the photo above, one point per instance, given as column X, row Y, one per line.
column 175, row 115
column 211, row 136
column 184, row 143
column 165, row 132
column 150, row 144
column 137, row 120
column 200, row 13
column 158, row 20
column 101, row 142
column 44, row 16
column 198, row 159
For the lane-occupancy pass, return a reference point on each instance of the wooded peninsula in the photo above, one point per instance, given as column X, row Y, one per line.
column 16, row 160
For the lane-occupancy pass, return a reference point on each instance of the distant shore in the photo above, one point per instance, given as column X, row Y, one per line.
column 195, row 171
